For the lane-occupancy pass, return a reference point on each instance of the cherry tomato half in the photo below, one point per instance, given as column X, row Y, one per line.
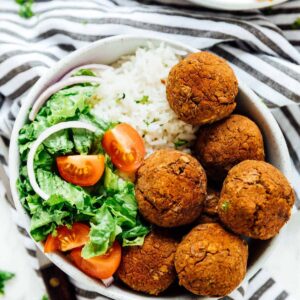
column 67, row 239
column 102, row 266
column 82, row 170
column 125, row 147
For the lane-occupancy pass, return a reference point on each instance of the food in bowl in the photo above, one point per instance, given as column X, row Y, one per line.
column 211, row 261
column 150, row 268
column 226, row 143
column 256, row 200
column 202, row 88
column 170, row 188
column 87, row 138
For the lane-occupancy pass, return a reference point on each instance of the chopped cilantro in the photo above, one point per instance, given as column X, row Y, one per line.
column 84, row 22
column 4, row 276
column 45, row 297
column 296, row 24
column 25, row 10
column 150, row 122
column 225, row 206
column 180, row 143
column 143, row 100
column 120, row 98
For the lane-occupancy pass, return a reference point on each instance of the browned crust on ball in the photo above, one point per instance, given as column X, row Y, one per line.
column 256, row 200
column 222, row 145
column 201, row 88
column 149, row 268
column 170, row 188
column 211, row 261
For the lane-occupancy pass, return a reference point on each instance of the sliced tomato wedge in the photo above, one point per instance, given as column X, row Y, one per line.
column 125, row 147
column 67, row 239
column 101, row 267
column 82, row 170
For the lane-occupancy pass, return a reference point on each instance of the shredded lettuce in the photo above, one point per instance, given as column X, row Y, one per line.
column 83, row 140
column 51, row 184
column 59, row 143
column 104, row 230
column 109, row 207
column 43, row 158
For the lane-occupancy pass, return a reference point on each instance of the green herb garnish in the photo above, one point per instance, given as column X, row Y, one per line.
column 4, row 276
column 296, row 24
column 180, row 143
column 150, row 122
column 143, row 100
column 45, row 297
column 225, row 206
column 122, row 97
column 25, row 10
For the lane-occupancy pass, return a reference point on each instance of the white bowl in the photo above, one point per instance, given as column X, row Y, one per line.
column 107, row 51
column 237, row 4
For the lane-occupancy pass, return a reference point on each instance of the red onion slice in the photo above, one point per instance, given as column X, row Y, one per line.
column 108, row 281
column 57, row 87
column 90, row 67
column 43, row 136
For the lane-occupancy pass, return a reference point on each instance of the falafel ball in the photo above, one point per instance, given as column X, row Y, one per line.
column 149, row 268
column 256, row 200
column 224, row 144
column 170, row 188
column 211, row 261
column 201, row 88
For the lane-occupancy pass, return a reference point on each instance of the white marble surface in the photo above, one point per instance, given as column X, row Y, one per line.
column 283, row 264
column 13, row 257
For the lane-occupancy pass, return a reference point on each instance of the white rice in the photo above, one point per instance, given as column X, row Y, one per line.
column 137, row 76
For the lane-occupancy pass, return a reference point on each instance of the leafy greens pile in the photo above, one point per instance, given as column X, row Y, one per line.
column 110, row 206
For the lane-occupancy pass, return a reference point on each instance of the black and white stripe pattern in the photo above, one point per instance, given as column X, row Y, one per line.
column 262, row 47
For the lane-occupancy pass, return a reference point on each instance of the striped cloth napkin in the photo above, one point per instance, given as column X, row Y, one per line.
column 263, row 47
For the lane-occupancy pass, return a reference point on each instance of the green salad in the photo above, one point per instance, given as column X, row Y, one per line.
column 108, row 207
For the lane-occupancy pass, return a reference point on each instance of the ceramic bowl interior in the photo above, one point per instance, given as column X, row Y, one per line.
column 237, row 4
column 108, row 51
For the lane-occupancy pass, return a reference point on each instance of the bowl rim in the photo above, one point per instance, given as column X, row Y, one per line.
column 45, row 80
column 236, row 5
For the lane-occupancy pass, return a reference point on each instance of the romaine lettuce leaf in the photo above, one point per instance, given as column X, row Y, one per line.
column 59, row 143
column 83, row 140
column 112, row 182
column 51, row 184
column 43, row 159
column 104, row 230
column 137, row 241
column 66, row 105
